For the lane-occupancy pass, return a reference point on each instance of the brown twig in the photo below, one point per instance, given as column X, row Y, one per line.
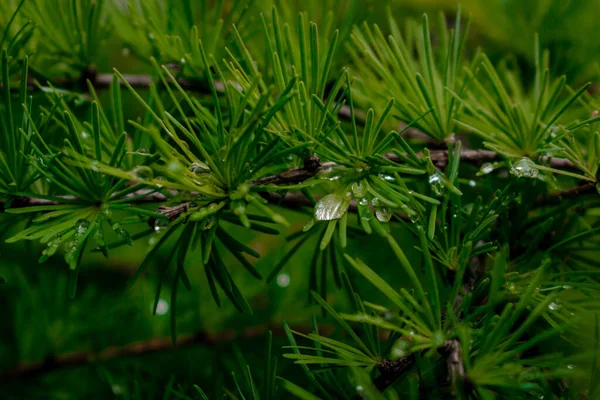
column 392, row 370
column 455, row 364
column 146, row 347
column 312, row 167
column 556, row 197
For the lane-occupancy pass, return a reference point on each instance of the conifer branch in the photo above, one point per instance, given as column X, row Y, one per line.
column 391, row 370
column 147, row 347
column 556, row 197
column 104, row 80
column 456, row 368
column 313, row 166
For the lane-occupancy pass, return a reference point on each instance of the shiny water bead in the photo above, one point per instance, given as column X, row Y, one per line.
column 332, row 206
column 524, row 168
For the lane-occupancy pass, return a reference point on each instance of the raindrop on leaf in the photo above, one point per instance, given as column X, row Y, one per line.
column 283, row 280
column 383, row 214
column 209, row 222
column 554, row 306
column 175, row 167
column 359, row 190
column 198, row 168
column 435, row 180
column 524, row 168
column 143, row 172
column 162, row 307
column 486, row 169
column 82, row 226
column 332, row 206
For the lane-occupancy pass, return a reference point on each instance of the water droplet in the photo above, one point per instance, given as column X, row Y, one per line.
column 85, row 135
column 125, row 51
column 51, row 248
column 175, row 167
column 332, row 206
column 363, row 202
column 117, row 389
column 359, row 189
column 283, row 280
column 198, row 168
column 142, row 152
column 554, row 306
column 486, row 169
column 386, row 177
column 82, row 226
column 570, row 366
column 182, row 61
column 435, row 180
column 156, row 228
column 116, row 227
column 94, row 166
column 525, row 168
column 209, row 222
column 151, row 36
column 472, row 183
column 411, row 333
column 398, row 353
column 359, row 388
column 383, row 214
column 375, row 202
column 142, row 172
column 162, row 307
column 567, row 287
column 414, row 217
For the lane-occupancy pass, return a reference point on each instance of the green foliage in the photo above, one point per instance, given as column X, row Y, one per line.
column 350, row 149
column 169, row 31
column 419, row 83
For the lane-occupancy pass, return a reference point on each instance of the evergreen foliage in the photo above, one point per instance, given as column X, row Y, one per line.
column 375, row 203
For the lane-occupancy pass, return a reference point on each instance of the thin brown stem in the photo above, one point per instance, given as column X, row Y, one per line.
column 301, row 174
column 583, row 189
column 146, row 347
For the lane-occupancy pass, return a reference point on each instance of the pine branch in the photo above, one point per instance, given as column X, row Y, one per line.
column 392, row 370
column 103, row 81
column 147, row 347
column 456, row 368
column 583, row 189
column 312, row 167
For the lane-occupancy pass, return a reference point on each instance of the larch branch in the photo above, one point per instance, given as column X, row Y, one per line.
column 146, row 347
